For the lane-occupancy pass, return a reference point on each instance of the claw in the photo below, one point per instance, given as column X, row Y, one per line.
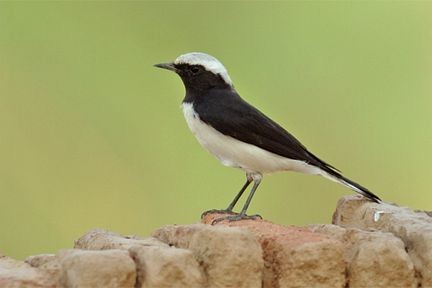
column 236, row 217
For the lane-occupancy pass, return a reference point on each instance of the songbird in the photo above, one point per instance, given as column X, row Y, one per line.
column 238, row 134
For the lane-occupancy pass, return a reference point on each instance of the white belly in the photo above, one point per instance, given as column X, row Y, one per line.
column 234, row 153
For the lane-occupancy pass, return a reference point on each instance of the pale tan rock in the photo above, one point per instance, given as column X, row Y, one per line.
column 99, row 239
column 86, row 268
column 157, row 264
column 375, row 259
column 229, row 257
column 413, row 228
column 179, row 235
column 376, row 245
column 47, row 263
column 295, row 257
column 10, row 263
column 14, row 273
column 41, row 260
column 160, row 267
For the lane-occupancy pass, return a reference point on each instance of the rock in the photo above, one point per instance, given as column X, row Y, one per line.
column 376, row 259
column 160, row 267
column 41, row 260
column 107, row 268
column 370, row 245
column 157, row 264
column 15, row 273
column 291, row 251
column 413, row 228
column 99, row 239
column 229, row 257
column 48, row 263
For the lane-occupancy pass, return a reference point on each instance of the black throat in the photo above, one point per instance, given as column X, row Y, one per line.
column 201, row 84
column 209, row 95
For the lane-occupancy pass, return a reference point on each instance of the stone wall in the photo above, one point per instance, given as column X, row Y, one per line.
column 368, row 245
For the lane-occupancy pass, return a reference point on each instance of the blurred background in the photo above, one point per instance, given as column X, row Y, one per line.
column 91, row 135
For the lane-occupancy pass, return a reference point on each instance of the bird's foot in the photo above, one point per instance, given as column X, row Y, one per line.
column 218, row 211
column 236, row 217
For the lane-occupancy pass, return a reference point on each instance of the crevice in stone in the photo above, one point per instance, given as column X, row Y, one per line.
column 139, row 273
column 347, row 272
column 419, row 278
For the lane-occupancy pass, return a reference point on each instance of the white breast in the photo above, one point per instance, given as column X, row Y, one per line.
column 234, row 153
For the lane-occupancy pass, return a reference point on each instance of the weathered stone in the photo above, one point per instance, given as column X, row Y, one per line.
column 294, row 257
column 99, row 239
column 47, row 263
column 41, row 260
column 414, row 229
column 375, row 245
column 160, row 267
column 376, row 259
column 15, row 273
column 229, row 257
column 85, row 268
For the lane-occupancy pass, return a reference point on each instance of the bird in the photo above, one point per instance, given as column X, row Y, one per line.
column 240, row 135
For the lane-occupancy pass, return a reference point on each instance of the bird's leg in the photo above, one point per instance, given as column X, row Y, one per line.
column 257, row 180
column 229, row 209
column 251, row 194
column 240, row 193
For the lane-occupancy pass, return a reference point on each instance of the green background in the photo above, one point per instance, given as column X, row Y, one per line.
column 91, row 135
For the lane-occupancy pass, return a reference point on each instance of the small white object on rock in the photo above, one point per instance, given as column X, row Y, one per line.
column 377, row 215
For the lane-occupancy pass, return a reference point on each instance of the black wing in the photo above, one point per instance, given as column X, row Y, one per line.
column 228, row 113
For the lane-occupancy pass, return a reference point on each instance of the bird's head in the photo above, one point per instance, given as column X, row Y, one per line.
column 199, row 71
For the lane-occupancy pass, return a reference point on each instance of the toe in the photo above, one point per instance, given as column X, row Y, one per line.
column 255, row 217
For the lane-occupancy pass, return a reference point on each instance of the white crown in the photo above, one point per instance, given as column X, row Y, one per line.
column 209, row 62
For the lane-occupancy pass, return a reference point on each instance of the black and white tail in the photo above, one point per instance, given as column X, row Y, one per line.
column 335, row 176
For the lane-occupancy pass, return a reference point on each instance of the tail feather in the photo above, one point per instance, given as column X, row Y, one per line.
column 352, row 185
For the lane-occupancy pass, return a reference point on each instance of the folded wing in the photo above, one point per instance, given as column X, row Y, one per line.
column 232, row 116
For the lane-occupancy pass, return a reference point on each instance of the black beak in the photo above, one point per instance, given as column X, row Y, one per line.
column 168, row 66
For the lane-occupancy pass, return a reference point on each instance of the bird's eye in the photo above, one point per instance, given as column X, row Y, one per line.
column 195, row 70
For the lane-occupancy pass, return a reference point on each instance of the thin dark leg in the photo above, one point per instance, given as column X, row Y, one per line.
column 239, row 194
column 230, row 208
column 249, row 199
column 242, row 214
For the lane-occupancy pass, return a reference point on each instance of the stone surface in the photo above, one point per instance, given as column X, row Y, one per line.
column 157, row 264
column 15, row 273
column 99, row 239
column 373, row 257
column 229, row 257
column 86, row 268
column 41, row 260
column 290, row 251
column 413, row 228
column 370, row 245
column 48, row 263
column 161, row 267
